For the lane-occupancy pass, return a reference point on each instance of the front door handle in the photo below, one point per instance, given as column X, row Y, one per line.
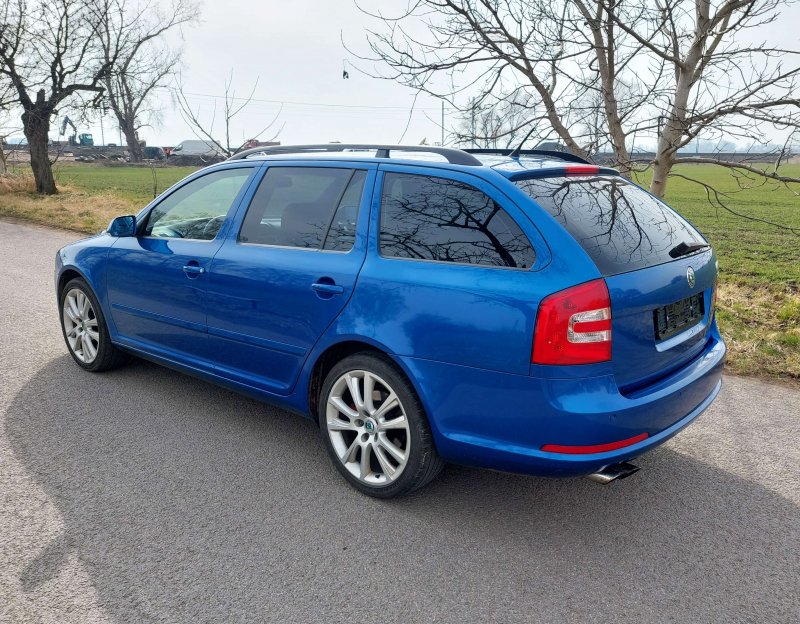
column 193, row 269
column 331, row 289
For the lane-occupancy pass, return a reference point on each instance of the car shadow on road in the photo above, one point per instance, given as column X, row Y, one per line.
column 187, row 502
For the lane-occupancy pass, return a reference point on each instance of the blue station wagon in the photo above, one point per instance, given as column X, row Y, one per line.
column 526, row 311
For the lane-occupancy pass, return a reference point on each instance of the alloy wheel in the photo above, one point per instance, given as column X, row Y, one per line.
column 368, row 427
column 80, row 326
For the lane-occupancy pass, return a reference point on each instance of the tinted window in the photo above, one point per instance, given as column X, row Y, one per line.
column 619, row 225
column 197, row 209
column 437, row 219
column 293, row 206
column 342, row 233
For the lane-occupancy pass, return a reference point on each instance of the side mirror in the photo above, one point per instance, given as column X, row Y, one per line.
column 122, row 226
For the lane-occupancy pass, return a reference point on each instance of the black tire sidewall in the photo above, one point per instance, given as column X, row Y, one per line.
column 104, row 342
column 421, row 440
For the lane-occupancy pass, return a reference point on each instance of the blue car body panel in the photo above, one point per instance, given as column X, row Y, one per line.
column 462, row 333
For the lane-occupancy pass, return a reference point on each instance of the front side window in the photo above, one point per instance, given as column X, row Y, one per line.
column 306, row 207
column 197, row 209
column 429, row 218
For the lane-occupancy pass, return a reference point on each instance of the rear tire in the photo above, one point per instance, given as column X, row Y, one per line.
column 85, row 329
column 375, row 428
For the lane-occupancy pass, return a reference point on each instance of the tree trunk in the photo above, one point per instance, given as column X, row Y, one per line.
column 134, row 149
column 36, row 125
column 661, row 168
column 3, row 159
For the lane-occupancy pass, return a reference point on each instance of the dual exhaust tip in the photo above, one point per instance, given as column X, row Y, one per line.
column 612, row 473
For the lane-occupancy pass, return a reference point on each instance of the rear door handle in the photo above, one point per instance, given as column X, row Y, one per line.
column 332, row 289
column 193, row 269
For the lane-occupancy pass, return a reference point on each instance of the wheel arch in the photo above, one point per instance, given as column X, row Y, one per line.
column 332, row 355
column 67, row 274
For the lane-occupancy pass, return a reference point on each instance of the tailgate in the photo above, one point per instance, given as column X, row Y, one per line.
column 658, row 320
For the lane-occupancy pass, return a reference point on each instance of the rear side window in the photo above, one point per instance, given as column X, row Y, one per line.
column 619, row 225
column 342, row 233
column 295, row 206
column 428, row 218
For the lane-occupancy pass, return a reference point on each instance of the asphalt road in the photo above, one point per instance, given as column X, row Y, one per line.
column 143, row 495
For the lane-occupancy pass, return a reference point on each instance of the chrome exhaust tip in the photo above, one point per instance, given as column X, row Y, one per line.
column 612, row 473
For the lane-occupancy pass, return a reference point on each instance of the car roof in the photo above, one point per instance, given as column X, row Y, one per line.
column 527, row 164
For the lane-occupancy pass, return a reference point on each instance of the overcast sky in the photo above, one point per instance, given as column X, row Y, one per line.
column 294, row 49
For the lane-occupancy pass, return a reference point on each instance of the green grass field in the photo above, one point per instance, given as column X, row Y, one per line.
column 132, row 183
column 758, row 308
column 750, row 252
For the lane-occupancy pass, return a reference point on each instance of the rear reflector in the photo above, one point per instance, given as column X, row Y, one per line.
column 595, row 448
column 574, row 326
column 580, row 169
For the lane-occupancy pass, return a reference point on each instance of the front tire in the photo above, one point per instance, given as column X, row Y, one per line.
column 85, row 329
column 375, row 429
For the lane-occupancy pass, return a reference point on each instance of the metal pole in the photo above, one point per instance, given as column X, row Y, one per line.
column 442, row 123
column 102, row 132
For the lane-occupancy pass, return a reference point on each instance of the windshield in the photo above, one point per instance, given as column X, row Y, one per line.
column 620, row 226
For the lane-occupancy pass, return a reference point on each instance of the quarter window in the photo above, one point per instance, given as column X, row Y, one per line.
column 429, row 218
column 197, row 209
column 295, row 206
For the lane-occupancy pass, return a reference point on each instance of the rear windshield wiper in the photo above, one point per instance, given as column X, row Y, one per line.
column 681, row 249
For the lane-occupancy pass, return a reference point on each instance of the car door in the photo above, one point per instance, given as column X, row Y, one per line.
column 157, row 279
column 286, row 270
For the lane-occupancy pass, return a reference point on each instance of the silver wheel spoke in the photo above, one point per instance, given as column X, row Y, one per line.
column 88, row 348
column 343, row 407
column 369, row 388
column 395, row 423
column 350, row 452
column 91, row 323
column 85, row 307
column 389, row 404
column 395, row 452
column 366, row 451
column 355, row 391
column 93, row 335
column 386, row 465
column 70, row 312
column 341, row 425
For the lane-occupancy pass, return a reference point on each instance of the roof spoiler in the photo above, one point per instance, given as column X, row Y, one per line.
column 567, row 156
column 454, row 156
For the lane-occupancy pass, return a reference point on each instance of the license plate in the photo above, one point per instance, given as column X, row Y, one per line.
column 679, row 316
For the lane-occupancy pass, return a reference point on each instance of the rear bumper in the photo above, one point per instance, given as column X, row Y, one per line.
column 501, row 421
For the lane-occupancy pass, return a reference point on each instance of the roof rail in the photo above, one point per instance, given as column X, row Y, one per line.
column 569, row 157
column 453, row 156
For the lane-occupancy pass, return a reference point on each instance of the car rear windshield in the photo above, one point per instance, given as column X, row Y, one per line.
column 619, row 225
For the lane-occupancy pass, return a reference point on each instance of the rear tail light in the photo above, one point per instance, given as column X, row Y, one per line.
column 574, row 326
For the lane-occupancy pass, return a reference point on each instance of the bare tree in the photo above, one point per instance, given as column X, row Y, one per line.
column 134, row 33
column 49, row 53
column 7, row 127
column 203, row 127
column 599, row 72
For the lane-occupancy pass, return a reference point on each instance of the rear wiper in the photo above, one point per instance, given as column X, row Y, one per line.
column 681, row 249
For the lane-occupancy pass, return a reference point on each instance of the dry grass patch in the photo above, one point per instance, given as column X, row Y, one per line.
column 70, row 209
column 761, row 326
